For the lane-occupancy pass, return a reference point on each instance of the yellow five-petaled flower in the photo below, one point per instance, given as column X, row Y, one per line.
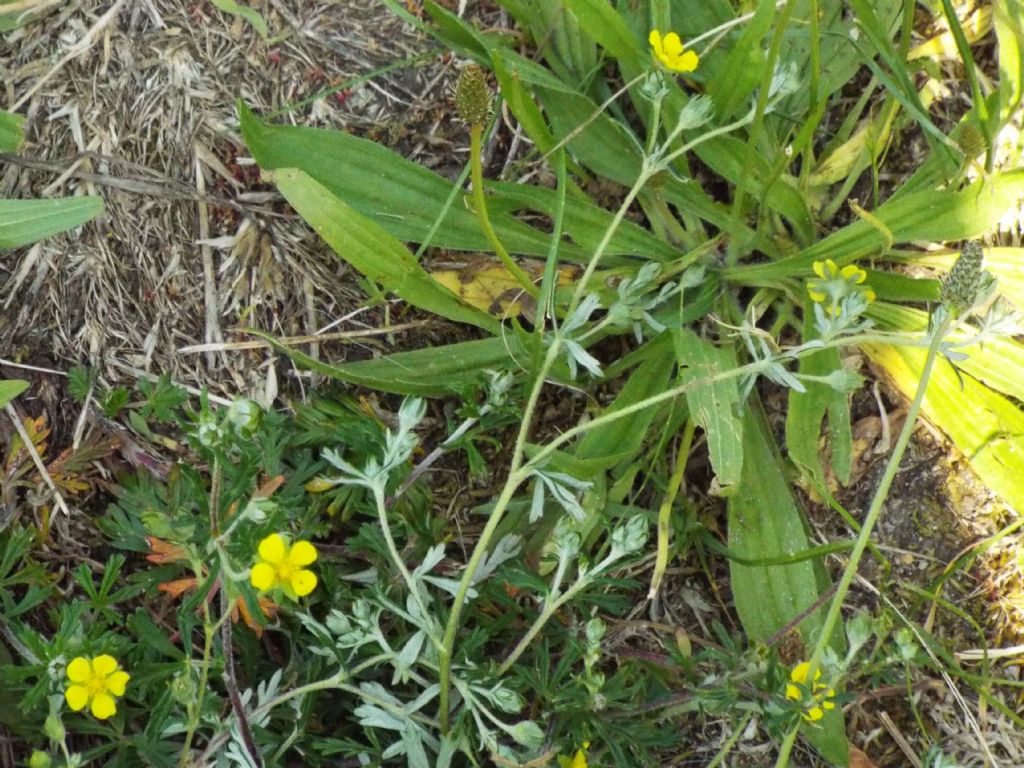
column 814, row 699
column 281, row 565
column 833, row 284
column 95, row 683
column 670, row 52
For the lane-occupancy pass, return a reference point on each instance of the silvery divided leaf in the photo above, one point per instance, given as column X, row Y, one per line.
column 630, row 537
column 696, row 113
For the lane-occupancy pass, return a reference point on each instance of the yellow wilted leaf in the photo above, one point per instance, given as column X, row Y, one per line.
column 987, row 428
column 485, row 284
column 943, row 45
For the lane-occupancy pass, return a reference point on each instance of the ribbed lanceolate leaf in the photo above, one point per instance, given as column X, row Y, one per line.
column 433, row 371
column 620, row 440
column 406, row 199
column 937, row 215
column 714, row 406
column 765, row 523
column 986, row 427
column 371, row 250
column 999, row 362
column 808, row 409
column 25, row 221
column 10, row 389
column 11, row 135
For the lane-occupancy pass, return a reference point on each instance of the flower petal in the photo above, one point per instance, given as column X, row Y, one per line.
column 273, row 548
column 799, row 673
column 655, row 39
column 303, row 582
column 854, row 274
column 263, row 577
column 77, row 696
column 79, row 670
column 302, row 553
column 117, row 681
column 103, row 706
column 688, row 62
column 816, row 295
column 104, row 665
column 673, row 45
column 814, row 714
column 792, row 692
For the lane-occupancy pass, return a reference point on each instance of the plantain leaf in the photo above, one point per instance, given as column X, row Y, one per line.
column 987, row 428
column 999, row 362
column 372, row 251
column 406, row 199
column 764, row 523
column 621, row 440
column 11, row 134
column 10, row 389
column 942, row 214
column 713, row 406
column 807, row 410
column 25, row 221
column 249, row 14
column 435, row 371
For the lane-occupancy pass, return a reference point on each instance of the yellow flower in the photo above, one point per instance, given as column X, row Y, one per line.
column 669, row 51
column 835, row 284
column 281, row 565
column 95, row 681
column 814, row 700
column 579, row 760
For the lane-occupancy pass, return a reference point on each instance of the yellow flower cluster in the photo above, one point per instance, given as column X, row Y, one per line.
column 282, row 565
column 94, row 683
column 579, row 760
column 833, row 284
column 814, row 699
column 670, row 52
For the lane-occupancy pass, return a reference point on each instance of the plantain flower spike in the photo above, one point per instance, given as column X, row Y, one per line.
column 966, row 283
column 473, row 96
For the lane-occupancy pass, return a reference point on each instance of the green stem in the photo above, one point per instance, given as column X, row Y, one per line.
column 665, row 512
column 872, row 517
column 730, row 743
column 396, row 556
column 517, row 474
column 480, row 204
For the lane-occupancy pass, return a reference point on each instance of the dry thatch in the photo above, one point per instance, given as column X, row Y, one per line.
column 136, row 102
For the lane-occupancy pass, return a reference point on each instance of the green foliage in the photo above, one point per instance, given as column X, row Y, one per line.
column 26, row 221
column 698, row 292
column 593, row 93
